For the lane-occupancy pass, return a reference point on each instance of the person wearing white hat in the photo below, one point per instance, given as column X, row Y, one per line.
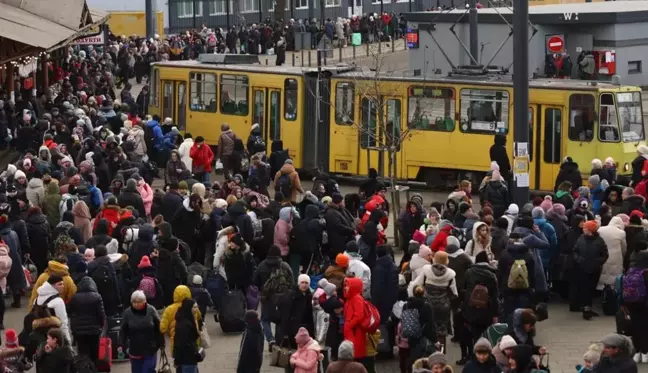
column 511, row 214
column 502, row 351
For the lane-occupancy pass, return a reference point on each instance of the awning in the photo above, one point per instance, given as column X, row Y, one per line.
column 27, row 28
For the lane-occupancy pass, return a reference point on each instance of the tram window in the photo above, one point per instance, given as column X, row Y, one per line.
column 344, row 108
column 290, row 99
column 153, row 92
column 431, row 109
column 552, row 135
column 608, row 123
column 234, row 94
column 581, row 117
column 202, row 91
column 275, row 123
column 369, row 123
column 484, row 111
column 392, row 130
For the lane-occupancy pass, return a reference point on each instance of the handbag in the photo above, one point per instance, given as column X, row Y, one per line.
column 205, row 341
column 165, row 367
column 280, row 357
column 200, row 355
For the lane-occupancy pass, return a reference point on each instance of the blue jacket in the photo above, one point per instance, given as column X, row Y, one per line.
column 158, row 138
column 169, row 140
column 550, row 234
column 96, row 197
column 384, row 286
column 596, row 196
column 537, row 242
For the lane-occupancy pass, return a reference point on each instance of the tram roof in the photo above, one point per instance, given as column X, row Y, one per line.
column 255, row 67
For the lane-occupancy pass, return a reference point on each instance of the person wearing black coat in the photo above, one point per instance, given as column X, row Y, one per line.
column 58, row 358
column 236, row 216
column 251, row 349
column 101, row 237
column 590, row 253
column 306, row 236
column 171, row 269
column 40, row 238
column 384, row 284
column 171, row 202
column 522, row 329
column 617, row 355
column 499, row 154
column 409, row 221
column 294, row 310
column 479, row 318
column 185, row 349
column 109, row 291
column 140, row 331
column 339, row 230
column 483, row 361
column 131, row 197
column 186, row 223
column 277, row 156
column 637, row 166
column 87, row 316
column 632, row 202
column 144, row 245
column 496, row 193
column 569, row 172
column 515, row 298
column 370, row 237
column 418, row 348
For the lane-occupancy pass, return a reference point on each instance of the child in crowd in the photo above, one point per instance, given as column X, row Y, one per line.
column 484, row 361
column 54, row 355
column 12, row 356
column 590, row 359
column 200, row 295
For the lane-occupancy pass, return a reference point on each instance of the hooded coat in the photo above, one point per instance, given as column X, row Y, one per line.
column 590, row 253
column 354, row 314
column 614, row 237
column 408, row 221
column 295, row 183
column 140, row 331
column 171, row 203
column 339, row 230
column 184, row 150
column 306, row 357
column 82, row 219
column 550, row 234
column 16, row 278
column 110, row 213
column 40, row 239
column 57, row 305
column 476, row 246
column 384, row 286
column 86, row 310
column 569, row 172
column 186, row 222
column 131, row 197
column 498, row 154
column 282, row 230
column 497, row 194
column 52, row 200
column 168, row 322
column 521, row 336
column 174, row 169
column 137, row 137
column 481, row 274
column 36, row 192
column 294, row 310
column 307, row 233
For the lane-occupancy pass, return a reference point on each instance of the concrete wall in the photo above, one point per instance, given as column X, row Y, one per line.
column 630, row 42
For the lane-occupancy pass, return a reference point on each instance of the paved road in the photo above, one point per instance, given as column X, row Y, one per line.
column 566, row 334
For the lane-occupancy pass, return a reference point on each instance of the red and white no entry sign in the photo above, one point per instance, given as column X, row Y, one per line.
column 555, row 44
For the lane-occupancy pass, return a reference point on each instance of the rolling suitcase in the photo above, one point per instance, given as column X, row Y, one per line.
column 231, row 314
column 114, row 333
column 105, row 356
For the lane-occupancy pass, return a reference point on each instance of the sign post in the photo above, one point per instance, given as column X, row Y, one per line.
column 555, row 44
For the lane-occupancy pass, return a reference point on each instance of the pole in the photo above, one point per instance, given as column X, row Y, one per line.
column 474, row 38
column 150, row 27
column 317, row 105
column 521, row 90
column 227, row 10
column 193, row 12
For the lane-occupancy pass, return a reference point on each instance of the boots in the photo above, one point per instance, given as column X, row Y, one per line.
column 16, row 302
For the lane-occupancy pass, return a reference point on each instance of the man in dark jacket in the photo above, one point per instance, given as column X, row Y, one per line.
column 102, row 271
column 590, row 253
column 277, row 156
column 339, row 230
column 569, row 172
column 131, row 197
column 270, row 264
column 499, row 154
column 616, row 356
column 408, row 222
column 171, row 202
column 496, row 193
column 481, row 296
column 236, row 216
column 632, row 201
column 86, row 313
column 384, row 284
column 171, row 269
column 144, row 245
column 251, row 350
column 371, row 237
column 306, row 236
column 500, row 237
column 186, row 224
column 295, row 310
column 515, row 298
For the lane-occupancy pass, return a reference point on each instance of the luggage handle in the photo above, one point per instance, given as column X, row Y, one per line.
column 542, row 358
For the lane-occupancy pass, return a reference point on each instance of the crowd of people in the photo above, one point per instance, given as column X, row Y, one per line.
column 105, row 255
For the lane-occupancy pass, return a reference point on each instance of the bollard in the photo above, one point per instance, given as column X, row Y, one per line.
column 393, row 45
column 309, row 58
column 293, row 59
column 354, row 56
column 302, row 58
column 367, row 49
column 379, row 46
column 340, row 51
column 266, row 61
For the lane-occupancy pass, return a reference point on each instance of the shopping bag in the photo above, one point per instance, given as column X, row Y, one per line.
column 205, row 341
column 280, row 357
column 165, row 367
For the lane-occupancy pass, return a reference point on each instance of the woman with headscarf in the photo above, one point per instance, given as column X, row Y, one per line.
column 82, row 220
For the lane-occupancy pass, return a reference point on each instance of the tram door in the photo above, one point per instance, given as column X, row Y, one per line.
column 380, row 128
column 267, row 113
column 545, row 136
column 174, row 102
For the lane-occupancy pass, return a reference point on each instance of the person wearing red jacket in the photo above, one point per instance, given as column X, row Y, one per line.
column 202, row 158
column 440, row 240
column 354, row 314
column 110, row 212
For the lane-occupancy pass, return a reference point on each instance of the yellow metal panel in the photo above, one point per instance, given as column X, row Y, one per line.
column 133, row 23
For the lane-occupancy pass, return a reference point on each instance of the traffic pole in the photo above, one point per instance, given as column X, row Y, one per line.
column 521, row 102
column 474, row 37
column 150, row 23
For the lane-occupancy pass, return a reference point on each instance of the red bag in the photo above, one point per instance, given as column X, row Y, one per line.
column 104, row 359
column 371, row 321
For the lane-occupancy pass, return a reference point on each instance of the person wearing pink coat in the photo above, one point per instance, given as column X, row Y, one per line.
column 307, row 356
column 145, row 191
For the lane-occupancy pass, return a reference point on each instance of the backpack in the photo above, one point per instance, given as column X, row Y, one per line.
column 411, row 324
column 67, row 203
column 101, row 277
column 148, row 286
column 38, row 311
column 62, row 240
column 83, row 364
column 462, row 236
column 283, row 185
column 259, row 144
column 479, row 297
column 634, row 287
column 438, row 298
column 277, row 283
column 519, row 275
column 371, row 321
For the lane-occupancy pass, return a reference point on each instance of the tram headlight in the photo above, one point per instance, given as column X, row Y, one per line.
column 626, row 167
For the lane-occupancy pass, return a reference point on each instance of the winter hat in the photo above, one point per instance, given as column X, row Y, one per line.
column 595, row 180
column 434, row 212
column 624, row 218
column 463, row 207
column 591, row 225
column 487, row 210
column 507, row 342
column 303, row 278
column 441, row 257
column 419, row 237
column 535, row 202
column 496, row 176
column 513, row 209
column 274, row 251
column 328, row 288
column 19, row 174
column 452, row 240
column 528, row 207
column 131, row 184
column 337, row 198
column 615, row 340
column 558, row 209
column 546, row 203
column 424, row 251
column 197, row 280
column 81, row 266
column 345, row 351
column 11, row 339
column 54, row 279
column 637, row 213
column 145, row 262
column 351, row 247
column 342, row 260
column 526, row 222
column 482, row 257
column 593, row 354
column 583, row 192
column 538, row 213
column 528, row 317
column 494, row 166
column 438, row 358
column 483, row 345
column 642, row 149
column 302, row 336
column 382, row 250
column 582, row 202
column 288, row 161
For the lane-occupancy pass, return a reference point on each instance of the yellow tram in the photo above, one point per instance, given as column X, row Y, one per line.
column 450, row 120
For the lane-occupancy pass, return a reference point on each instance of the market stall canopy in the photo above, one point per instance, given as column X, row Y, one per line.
column 30, row 26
